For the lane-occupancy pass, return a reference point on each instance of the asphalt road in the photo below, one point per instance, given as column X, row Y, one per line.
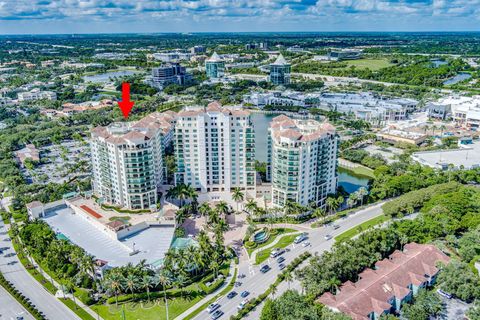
column 52, row 308
column 256, row 282
column 10, row 308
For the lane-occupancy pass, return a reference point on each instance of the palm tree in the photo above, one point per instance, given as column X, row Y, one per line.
column 251, row 206
column 214, row 266
column 204, row 209
column 164, row 281
column 222, row 208
column 362, row 193
column 332, row 203
column 352, row 199
column 131, row 283
column 319, row 213
column 289, row 278
column 273, row 290
column 237, row 196
column 114, row 283
column 333, row 283
column 181, row 281
column 146, row 282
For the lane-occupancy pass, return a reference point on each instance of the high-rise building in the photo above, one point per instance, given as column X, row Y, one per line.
column 198, row 50
column 280, row 71
column 172, row 73
column 127, row 160
column 214, row 148
column 302, row 161
column 215, row 66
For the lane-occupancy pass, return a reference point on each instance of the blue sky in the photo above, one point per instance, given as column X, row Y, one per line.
column 104, row 16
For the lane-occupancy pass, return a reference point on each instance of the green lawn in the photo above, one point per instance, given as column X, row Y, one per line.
column 215, row 298
column 155, row 310
column 84, row 315
column 282, row 243
column 271, row 239
column 360, row 228
column 360, row 170
column 372, row 64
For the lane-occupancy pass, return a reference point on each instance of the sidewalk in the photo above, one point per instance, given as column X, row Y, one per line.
column 280, row 236
column 57, row 285
column 233, row 266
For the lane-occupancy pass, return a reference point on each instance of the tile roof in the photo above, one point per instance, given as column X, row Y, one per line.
column 390, row 278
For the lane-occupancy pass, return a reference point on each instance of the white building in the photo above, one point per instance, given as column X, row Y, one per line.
column 465, row 111
column 365, row 106
column 302, row 161
column 214, row 148
column 127, row 159
column 36, row 94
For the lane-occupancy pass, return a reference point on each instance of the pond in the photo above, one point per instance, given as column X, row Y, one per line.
column 105, row 77
column 437, row 63
column 350, row 181
column 459, row 77
column 347, row 179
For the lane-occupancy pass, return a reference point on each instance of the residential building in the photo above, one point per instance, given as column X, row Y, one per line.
column 465, row 111
column 215, row 67
column 393, row 136
column 172, row 73
column 215, row 148
column 302, row 161
column 392, row 282
column 30, row 152
column 280, row 71
column 36, row 94
column 127, row 159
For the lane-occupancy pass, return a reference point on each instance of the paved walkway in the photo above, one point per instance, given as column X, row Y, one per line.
column 233, row 266
column 270, row 245
column 23, row 281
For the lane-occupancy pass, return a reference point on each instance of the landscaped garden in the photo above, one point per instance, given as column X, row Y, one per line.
column 274, row 234
column 282, row 243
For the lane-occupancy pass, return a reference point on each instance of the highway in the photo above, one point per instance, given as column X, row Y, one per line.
column 256, row 282
column 11, row 308
column 14, row 271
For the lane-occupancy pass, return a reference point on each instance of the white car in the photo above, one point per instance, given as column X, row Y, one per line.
column 213, row 307
column 306, row 244
column 328, row 237
column 242, row 304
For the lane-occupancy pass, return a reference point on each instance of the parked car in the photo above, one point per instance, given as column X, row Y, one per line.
column 281, row 266
column 213, row 307
column 328, row 237
column 336, row 226
column 244, row 294
column 231, row 294
column 242, row 304
column 306, row 244
column 265, row 268
column 237, row 284
column 444, row 294
column 300, row 238
column 276, row 252
column 280, row 259
column 217, row 314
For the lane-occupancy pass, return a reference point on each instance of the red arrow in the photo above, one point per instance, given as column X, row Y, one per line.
column 126, row 105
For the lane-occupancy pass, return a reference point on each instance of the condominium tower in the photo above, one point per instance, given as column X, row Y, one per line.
column 302, row 161
column 214, row 148
column 127, row 159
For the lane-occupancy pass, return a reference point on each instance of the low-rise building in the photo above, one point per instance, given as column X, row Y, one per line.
column 29, row 152
column 345, row 54
column 465, row 111
column 36, row 94
column 394, row 281
column 400, row 136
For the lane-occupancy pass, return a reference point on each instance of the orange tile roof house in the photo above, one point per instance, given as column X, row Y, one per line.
column 393, row 281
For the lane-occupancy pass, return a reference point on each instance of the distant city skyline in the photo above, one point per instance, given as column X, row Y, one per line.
column 103, row 16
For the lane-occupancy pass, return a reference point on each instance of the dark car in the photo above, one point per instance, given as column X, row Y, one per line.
column 217, row 314
column 231, row 294
column 280, row 259
column 244, row 294
column 265, row 268
column 281, row 266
